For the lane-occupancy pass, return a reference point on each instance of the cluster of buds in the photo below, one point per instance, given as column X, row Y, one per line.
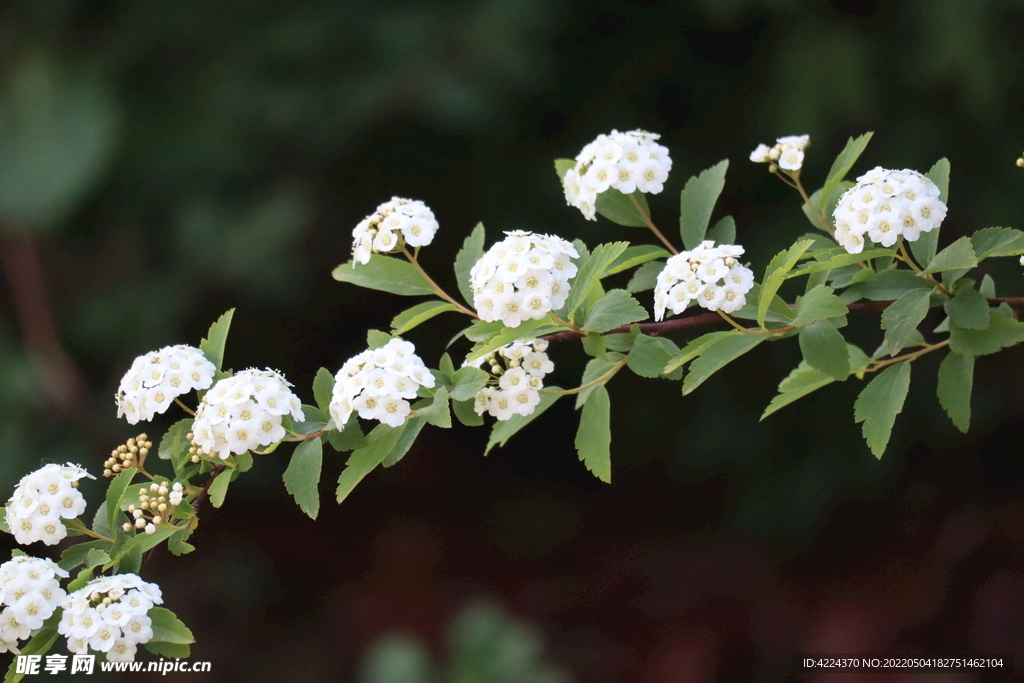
column 155, row 502
column 787, row 153
column 130, row 454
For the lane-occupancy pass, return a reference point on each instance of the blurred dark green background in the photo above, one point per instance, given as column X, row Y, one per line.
column 162, row 162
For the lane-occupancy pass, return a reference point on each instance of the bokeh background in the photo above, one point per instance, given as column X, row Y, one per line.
column 163, row 162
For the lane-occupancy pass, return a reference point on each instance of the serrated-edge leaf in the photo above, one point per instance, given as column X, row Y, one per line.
column 589, row 273
column 879, row 403
column 323, row 388
column 379, row 444
column 376, row 339
column 697, row 202
column 717, row 356
column 562, row 166
column 347, row 437
column 824, row 349
column 900, row 320
column 820, row 303
column 506, row 429
column 633, row 256
column 648, row 357
column 925, row 246
column 843, row 163
column 801, row 381
column 217, row 337
column 437, row 413
column 467, row 381
column 614, row 309
column 302, row 477
column 168, row 650
column 620, row 209
column 1000, row 333
column 413, row 427
column 471, row 251
column 994, row 242
column 219, row 488
column 594, row 436
column 168, row 628
column 958, row 255
column 596, row 367
column 115, row 491
column 776, row 273
column 645, row 277
column 724, row 231
column 696, row 347
column 466, row 414
column 968, row 308
column 384, row 274
column 956, row 378
column 419, row 314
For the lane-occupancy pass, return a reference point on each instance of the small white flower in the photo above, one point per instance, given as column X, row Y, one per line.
column 377, row 384
column 41, row 500
column 109, row 614
column 703, row 275
column 157, row 378
column 394, row 224
column 787, row 152
column 517, row 372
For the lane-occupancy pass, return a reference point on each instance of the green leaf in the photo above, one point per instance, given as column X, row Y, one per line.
column 177, row 543
column 956, row 256
column 801, row 381
column 887, row 285
column 724, row 231
column 820, row 303
column 835, row 260
column 635, row 256
column 562, row 166
column 506, row 429
column 718, row 356
column 385, row 274
column 997, row 242
column 696, row 347
column 620, row 209
column 446, row 366
column 645, row 277
column 843, row 163
column 95, row 557
column 697, row 201
column 776, row 273
column 925, row 246
column 376, row 339
column 213, row 345
column 75, row 555
column 471, row 252
column 901, row 319
column 219, row 488
column 140, row 543
column 3, row 521
column 879, row 403
column 418, row 314
column 596, row 367
column 968, row 308
column 956, row 377
column 594, row 436
column 648, row 357
column 614, row 309
column 379, row 444
column 413, row 427
column 778, row 310
column 466, row 414
column 1000, row 333
column 824, row 349
column 323, row 389
column 168, row 650
column 506, row 335
column 828, row 202
column 302, row 477
column 467, row 381
column 347, row 437
column 115, row 492
column 589, row 273
column 168, row 628
column 437, row 413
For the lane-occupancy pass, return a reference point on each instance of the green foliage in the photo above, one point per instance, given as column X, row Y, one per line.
column 347, row 437
column 900, row 320
column 717, row 355
column 629, row 210
column 614, row 309
column 724, row 231
column 471, row 251
column 379, row 444
column 323, row 390
column 990, row 242
column 775, row 275
column 213, row 345
column 412, row 430
column 1000, row 333
column 385, row 274
column 438, row 412
column 168, row 628
column 925, row 246
column 697, row 201
column 840, row 167
column 588, row 276
column 419, row 314
column 820, row 303
column 115, row 492
column 803, row 380
column 467, row 381
column 648, row 356
column 885, row 286
column 645, row 277
column 594, row 436
column 968, row 308
column 879, row 403
column 302, row 477
column 957, row 256
column 219, row 488
column 824, row 349
column 634, row 256
column 956, row 377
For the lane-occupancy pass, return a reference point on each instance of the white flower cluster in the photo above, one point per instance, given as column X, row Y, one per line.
column 110, row 615
column 157, row 378
column 377, row 383
column 788, row 152
column 29, row 593
column 519, row 369
column 394, row 223
column 887, row 204
column 522, row 277
column 709, row 275
column 41, row 499
column 244, row 411
column 622, row 161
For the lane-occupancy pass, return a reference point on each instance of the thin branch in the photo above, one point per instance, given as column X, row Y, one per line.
column 650, row 224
